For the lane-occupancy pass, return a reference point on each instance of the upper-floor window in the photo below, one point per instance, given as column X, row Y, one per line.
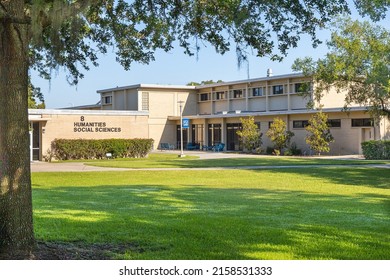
column 257, row 91
column 300, row 124
column 334, row 123
column 277, row 89
column 220, row 95
column 362, row 122
column 238, row 93
column 107, row 99
column 204, row 96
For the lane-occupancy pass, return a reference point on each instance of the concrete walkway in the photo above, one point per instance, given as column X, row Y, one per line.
column 39, row 166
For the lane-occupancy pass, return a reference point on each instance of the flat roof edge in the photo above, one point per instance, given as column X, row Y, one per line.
column 156, row 86
column 270, row 113
column 86, row 112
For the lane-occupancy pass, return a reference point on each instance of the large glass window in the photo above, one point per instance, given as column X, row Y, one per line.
column 301, row 87
column 233, row 141
column 214, row 134
column 197, row 133
column 362, row 122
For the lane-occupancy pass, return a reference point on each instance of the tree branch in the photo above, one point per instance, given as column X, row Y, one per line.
column 17, row 20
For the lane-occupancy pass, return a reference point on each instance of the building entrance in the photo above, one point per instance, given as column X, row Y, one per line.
column 35, row 141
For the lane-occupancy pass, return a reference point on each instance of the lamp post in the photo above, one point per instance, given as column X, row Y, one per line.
column 181, row 128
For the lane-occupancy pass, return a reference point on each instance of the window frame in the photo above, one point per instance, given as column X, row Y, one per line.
column 107, row 97
column 202, row 95
column 364, row 122
column 261, row 91
column 277, row 89
column 338, row 121
column 304, row 123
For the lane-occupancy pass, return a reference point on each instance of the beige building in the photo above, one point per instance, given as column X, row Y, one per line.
column 212, row 111
column 47, row 125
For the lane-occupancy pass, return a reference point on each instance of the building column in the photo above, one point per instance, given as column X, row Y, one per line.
column 205, row 132
column 223, row 132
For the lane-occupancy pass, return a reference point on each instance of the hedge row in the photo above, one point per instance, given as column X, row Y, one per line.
column 65, row 149
column 376, row 149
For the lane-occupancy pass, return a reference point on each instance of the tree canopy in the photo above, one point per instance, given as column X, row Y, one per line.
column 71, row 33
column 358, row 64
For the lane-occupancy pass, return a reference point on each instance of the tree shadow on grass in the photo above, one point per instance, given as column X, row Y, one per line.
column 202, row 222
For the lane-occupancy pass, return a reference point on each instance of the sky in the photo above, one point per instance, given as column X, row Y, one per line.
column 172, row 68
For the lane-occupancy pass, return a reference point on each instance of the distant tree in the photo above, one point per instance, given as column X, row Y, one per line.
column 250, row 135
column 35, row 97
column 202, row 83
column 320, row 136
column 279, row 135
column 358, row 64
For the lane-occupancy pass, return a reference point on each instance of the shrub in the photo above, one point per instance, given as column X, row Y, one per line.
column 66, row 149
column 293, row 150
column 269, row 150
column 376, row 149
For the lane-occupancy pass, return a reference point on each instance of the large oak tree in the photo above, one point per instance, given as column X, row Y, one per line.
column 47, row 34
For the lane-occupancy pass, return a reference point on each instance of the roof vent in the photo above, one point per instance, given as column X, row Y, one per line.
column 269, row 72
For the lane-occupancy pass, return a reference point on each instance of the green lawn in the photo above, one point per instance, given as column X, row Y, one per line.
column 157, row 160
column 323, row 213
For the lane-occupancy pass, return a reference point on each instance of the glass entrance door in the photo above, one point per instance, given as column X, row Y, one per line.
column 36, row 141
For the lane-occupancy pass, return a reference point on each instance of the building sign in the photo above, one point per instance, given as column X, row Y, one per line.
column 99, row 127
column 186, row 123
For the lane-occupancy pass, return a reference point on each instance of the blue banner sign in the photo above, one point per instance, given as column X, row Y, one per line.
column 185, row 123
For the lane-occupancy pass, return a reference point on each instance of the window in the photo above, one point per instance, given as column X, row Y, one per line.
column 145, row 101
column 257, row 92
column 334, row 123
column 362, row 122
column 269, row 124
column 220, row 95
column 300, row 124
column 107, row 99
column 214, row 134
column 197, row 133
column 277, row 89
column 238, row 93
column 204, row 97
column 301, row 87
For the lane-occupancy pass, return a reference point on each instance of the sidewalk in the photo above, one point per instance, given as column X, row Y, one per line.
column 39, row 166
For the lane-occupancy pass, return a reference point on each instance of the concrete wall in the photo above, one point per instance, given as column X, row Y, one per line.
column 85, row 125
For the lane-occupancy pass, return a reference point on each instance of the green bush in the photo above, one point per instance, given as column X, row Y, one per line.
column 66, row 149
column 293, row 150
column 376, row 149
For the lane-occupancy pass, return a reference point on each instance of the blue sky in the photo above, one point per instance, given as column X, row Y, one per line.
column 173, row 68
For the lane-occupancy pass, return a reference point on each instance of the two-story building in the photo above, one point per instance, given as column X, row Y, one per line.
column 213, row 111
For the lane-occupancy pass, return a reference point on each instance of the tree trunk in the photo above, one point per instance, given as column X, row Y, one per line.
column 16, row 226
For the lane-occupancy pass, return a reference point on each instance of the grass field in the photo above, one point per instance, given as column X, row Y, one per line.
column 161, row 160
column 323, row 213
